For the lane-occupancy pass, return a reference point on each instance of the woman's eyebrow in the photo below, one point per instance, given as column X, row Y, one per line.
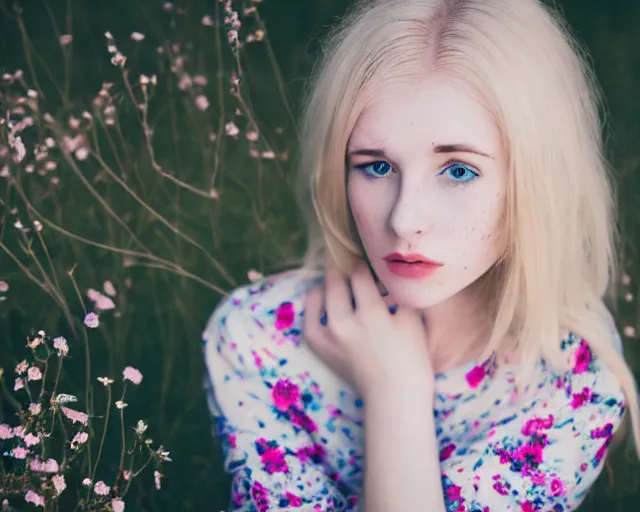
column 459, row 148
column 367, row 152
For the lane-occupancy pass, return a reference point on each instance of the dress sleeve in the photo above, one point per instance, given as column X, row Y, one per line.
column 262, row 419
column 547, row 456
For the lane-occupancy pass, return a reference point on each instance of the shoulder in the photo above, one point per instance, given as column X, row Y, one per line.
column 261, row 321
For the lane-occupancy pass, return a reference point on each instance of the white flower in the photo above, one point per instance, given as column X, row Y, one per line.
column 141, row 427
column 105, row 380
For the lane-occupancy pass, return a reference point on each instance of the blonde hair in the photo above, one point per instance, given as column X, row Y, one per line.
column 519, row 59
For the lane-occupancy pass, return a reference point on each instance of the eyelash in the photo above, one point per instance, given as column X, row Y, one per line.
column 448, row 166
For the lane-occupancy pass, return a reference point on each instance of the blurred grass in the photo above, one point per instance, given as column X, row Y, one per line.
column 162, row 305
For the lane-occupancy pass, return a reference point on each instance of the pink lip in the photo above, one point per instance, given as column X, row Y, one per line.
column 411, row 265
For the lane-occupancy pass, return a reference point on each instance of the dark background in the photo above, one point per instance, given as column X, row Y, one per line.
column 254, row 224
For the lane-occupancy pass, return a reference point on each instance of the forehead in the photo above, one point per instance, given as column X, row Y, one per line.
column 433, row 110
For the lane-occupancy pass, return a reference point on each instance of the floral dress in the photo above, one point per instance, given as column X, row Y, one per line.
column 293, row 432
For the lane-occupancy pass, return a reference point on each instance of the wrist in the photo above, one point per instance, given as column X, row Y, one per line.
column 401, row 392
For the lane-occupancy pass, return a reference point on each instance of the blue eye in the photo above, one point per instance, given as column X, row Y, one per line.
column 459, row 173
column 378, row 169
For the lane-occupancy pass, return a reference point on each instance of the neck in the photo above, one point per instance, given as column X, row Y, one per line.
column 457, row 330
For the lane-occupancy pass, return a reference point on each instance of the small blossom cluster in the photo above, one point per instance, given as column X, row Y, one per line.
column 39, row 480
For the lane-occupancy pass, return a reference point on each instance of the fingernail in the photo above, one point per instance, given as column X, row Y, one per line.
column 353, row 302
column 393, row 308
column 323, row 319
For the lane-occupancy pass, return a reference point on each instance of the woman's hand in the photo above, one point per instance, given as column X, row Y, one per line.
column 371, row 348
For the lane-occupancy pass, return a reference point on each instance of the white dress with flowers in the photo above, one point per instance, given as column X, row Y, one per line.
column 292, row 431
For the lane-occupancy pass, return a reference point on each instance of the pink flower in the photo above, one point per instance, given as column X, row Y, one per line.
column 21, row 367
column 117, row 505
column 202, row 103
column 19, row 452
column 74, row 415
column 36, row 465
column 86, row 482
column 51, row 466
column 156, row 479
column 285, row 315
column 79, row 438
column 475, row 376
column 130, row 373
column 284, row 394
column 34, row 373
column 35, row 409
column 272, row 456
column 18, row 384
column 19, row 431
column 91, row 320
column 101, row 488
column 446, row 452
column 58, row 483
column 104, row 303
column 527, row 506
column 60, row 344
column 557, row 487
column 294, row 501
column 109, row 289
column 36, row 499
column 579, row 399
column 31, row 440
column 6, row 432
column 582, row 358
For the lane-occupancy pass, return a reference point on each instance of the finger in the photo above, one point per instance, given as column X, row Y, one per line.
column 365, row 290
column 338, row 301
column 313, row 309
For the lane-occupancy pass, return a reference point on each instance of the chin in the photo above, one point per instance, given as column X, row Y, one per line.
column 422, row 298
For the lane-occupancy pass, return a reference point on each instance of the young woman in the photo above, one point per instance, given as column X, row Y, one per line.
column 445, row 346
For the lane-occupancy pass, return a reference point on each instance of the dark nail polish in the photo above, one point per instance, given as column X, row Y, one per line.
column 323, row 319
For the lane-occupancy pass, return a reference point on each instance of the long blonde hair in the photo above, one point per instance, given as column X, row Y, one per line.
column 520, row 60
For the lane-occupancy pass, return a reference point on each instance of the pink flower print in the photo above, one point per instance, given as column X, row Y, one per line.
column 602, row 432
column 579, row 399
column 294, row 501
column 315, row 452
column 601, row 452
column 556, row 486
column 531, row 453
column 302, row 420
column 260, row 496
column 284, row 394
column 257, row 360
column 582, row 358
column 527, row 506
column 446, row 452
column 232, row 440
column 501, row 488
column 475, row 376
column 453, row 492
column 272, row 456
column 537, row 477
column 534, row 425
column 285, row 315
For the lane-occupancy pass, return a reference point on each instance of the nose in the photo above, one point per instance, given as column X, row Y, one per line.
column 409, row 217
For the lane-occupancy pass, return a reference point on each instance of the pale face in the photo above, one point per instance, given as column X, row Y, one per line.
column 427, row 174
